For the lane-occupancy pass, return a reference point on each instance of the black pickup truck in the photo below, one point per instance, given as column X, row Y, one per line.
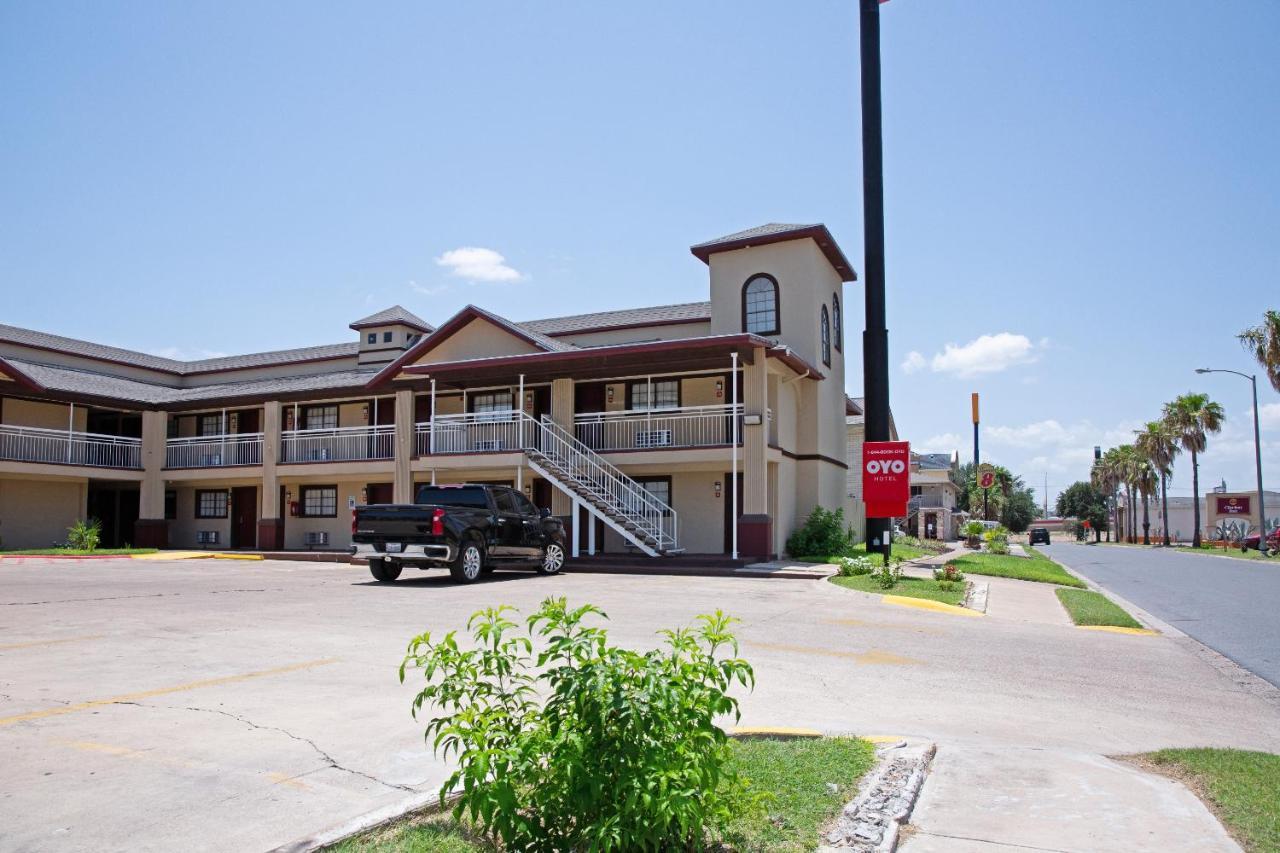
column 471, row 529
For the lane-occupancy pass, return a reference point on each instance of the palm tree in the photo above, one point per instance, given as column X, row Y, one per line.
column 1158, row 442
column 1105, row 476
column 1263, row 342
column 1147, row 481
column 1194, row 417
column 1127, row 462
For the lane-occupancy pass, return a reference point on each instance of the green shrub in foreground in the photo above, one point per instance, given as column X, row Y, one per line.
column 824, row 533
column 623, row 755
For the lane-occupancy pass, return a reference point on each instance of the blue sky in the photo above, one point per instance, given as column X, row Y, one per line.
column 1094, row 188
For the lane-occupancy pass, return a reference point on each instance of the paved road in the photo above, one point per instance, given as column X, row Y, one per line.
column 1230, row 605
column 214, row 705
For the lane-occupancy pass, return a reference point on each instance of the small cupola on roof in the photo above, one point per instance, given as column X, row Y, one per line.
column 387, row 334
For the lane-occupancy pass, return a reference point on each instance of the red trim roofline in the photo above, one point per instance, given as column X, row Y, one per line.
column 818, row 233
column 19, row 377
column 789, row 358
column 445, row 331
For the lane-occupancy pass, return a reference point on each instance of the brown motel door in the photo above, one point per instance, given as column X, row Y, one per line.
column 244, row 517
column 379, row 493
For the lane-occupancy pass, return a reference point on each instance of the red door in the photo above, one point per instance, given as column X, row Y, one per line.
column 244, row 517
column 379, row 493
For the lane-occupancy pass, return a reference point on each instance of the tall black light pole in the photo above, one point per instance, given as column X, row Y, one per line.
column 1257, row 451
column 875, row 338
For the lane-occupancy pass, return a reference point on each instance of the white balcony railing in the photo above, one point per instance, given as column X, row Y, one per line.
column 344, row 444
column 32, row 444
column 479, row 432
column 213, row 451
column 638, row 429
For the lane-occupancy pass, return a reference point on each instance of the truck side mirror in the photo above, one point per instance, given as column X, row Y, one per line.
column 544, row 513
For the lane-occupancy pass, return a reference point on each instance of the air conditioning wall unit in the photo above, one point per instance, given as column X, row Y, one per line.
column 653, row 438
column 319, row 454
column 317, row 538
column 210, row 459
column 207, row 537
column 489, row 444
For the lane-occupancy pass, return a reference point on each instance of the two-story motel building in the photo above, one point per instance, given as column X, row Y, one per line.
column 629, row 424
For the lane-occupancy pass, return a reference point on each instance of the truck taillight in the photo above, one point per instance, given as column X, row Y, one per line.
column 437, row 523
column 353, row 522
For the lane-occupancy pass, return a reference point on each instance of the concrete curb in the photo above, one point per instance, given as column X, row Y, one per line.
column 1250, row 683
column 365, row 822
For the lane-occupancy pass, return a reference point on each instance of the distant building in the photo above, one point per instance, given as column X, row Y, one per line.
column 1216, row 508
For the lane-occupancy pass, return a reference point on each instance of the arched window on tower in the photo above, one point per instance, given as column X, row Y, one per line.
column 837, row 322
column 826, row 336
column 760, row 305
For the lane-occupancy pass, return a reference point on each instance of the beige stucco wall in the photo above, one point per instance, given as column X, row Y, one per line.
column 478, row 339
column 37, row 513
column 700, row 514
column 30, row 413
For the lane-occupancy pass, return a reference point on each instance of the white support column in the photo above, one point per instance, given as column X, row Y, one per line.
column 577, row 516
column 591, row 536
column 520, row 409
column 432, row 429
column 520, row 478
column 222, row 451
column 71, row 427
column 733, row 486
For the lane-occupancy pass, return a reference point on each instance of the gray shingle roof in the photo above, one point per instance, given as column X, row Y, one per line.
column 683, row 312
column 87, row 383
column 933, row 461
column 769, row 230
column 45, row 340
column 394, row 314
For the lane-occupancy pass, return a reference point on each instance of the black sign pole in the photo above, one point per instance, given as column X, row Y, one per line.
column 875, row 337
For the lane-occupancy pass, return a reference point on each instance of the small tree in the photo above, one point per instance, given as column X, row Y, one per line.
column 824, row 534
column 84, row 536
column 1019, row 510
column 1085, row 502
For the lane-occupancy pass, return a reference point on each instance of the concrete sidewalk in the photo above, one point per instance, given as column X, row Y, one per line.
column 988, row 798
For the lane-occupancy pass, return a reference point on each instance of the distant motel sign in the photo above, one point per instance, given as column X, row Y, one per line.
column 1233, row 506
column 886, row 478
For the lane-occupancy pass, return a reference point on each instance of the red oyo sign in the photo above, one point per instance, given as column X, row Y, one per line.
column 886, row 478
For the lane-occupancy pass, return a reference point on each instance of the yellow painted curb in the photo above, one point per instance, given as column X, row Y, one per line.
column 766, row 731
column 881, row 738
column 1115, row 629
column 237, row 556
column 928, row 604
column 173, row 555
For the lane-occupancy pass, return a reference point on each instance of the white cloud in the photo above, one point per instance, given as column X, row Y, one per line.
column 986, row 354
column 913, row 362
column 947, row 442
column 1268, row 416
column 478, row 264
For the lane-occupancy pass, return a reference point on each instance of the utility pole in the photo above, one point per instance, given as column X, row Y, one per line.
column 875, row 337
column 973, row 403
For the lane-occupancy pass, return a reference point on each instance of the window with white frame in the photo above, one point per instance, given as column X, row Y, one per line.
column 211, row 504
column 760, row 306
column 209, row 425
column 490, row 404
column 659, row 394
column 837, row 321
column 825, row 329
column 659, row 487
column 320, row 417
column 319, row 501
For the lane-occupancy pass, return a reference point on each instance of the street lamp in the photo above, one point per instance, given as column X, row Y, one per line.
column 1257, row 451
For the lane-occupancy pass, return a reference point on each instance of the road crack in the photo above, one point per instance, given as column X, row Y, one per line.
column 328, row 759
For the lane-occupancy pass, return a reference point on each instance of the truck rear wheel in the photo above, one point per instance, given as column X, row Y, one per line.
column 383, row 570
column 469, row 564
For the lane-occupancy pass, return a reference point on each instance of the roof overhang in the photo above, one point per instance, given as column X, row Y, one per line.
column 673, row 356
column 818, row 233
column 19, row 377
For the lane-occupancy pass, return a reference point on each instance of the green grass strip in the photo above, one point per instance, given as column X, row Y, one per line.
column 795, row 771
column 1087, row 607
column 1034, row 567
column 909, row 587
column 1240, row 787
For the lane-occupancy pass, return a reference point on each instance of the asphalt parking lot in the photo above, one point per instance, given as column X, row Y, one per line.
column 225, row 705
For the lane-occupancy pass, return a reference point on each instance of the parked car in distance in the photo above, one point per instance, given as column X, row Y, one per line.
column 470, row 529
column 1252, row 543
column 1039, row 536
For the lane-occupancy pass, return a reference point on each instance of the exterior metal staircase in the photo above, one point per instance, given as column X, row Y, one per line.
column 595, row 484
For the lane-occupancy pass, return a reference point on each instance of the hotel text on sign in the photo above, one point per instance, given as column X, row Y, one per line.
column 886, row 478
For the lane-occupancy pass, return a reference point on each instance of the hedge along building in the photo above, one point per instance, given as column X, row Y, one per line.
column 628, row 424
